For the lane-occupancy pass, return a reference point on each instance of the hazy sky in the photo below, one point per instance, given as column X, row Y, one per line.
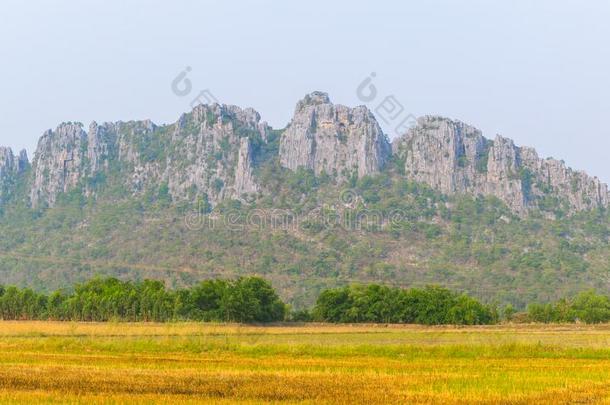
column 535, row 71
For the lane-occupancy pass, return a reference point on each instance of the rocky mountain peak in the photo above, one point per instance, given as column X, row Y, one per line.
column 11, row 164
column 211, row 115
column 455, row 158
column 214, row 152
column 333, row 139
column 210, row 152
column 7, row 160
column 11, row 168
column 58, row 162
column 7, row 170
column 207, row 152
column 24, row 161
column 313, row 99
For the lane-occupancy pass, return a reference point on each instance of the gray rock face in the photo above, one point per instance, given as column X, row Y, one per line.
column 214, row 153
column 245, row 184
column 23, row 162
column 211, row 152
column 334, row 139
column 7, row 162
column 7, row 168
column 207, row 152
column 58, row 164
column 453, row 157
column 11, row 167
column 101, row 145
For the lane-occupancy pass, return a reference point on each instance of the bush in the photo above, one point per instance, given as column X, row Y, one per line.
column 591, row 308
column 379, row 304
column 588, row 307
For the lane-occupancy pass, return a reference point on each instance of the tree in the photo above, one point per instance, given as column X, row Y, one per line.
column 375, row 303
column 332, row 305
column 591, row 307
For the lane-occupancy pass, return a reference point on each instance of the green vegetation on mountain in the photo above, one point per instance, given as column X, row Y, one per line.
column 324, row 203
column 306, row 234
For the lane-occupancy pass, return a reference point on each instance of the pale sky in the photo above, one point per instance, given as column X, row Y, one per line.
column 534, row 71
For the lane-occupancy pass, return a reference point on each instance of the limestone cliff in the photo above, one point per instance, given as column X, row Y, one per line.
column 59, row 163
column 11, row 167
column 334, row 139
column 206, row 152
column 453, row 157
column 211, row 153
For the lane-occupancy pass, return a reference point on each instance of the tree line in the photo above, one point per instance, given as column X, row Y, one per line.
column 250, row 299
column 253, row 300
column 379, row 304
column 587, row 307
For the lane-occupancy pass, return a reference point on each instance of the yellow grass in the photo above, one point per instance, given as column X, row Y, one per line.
column 52, row 362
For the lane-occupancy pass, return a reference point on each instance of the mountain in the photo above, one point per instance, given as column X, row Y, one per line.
column 455, row 158
column 208, row 151
column 336, row 140
column 323, row 202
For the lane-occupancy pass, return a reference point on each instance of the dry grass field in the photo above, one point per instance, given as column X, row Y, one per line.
column 49, row 362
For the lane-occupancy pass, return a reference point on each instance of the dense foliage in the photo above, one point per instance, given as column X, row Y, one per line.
column 253, row 299
column 587, row 307
column 376, row 229
column 243, row 300
column 379, row 304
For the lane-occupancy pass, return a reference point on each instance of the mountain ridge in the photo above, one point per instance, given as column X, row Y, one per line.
column 218, row 194
column 454, row 157
column 211, row 151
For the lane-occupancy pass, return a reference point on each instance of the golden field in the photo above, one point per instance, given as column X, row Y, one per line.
column 55, row 362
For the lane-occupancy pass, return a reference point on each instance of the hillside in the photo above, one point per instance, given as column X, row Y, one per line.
column 324, row 202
